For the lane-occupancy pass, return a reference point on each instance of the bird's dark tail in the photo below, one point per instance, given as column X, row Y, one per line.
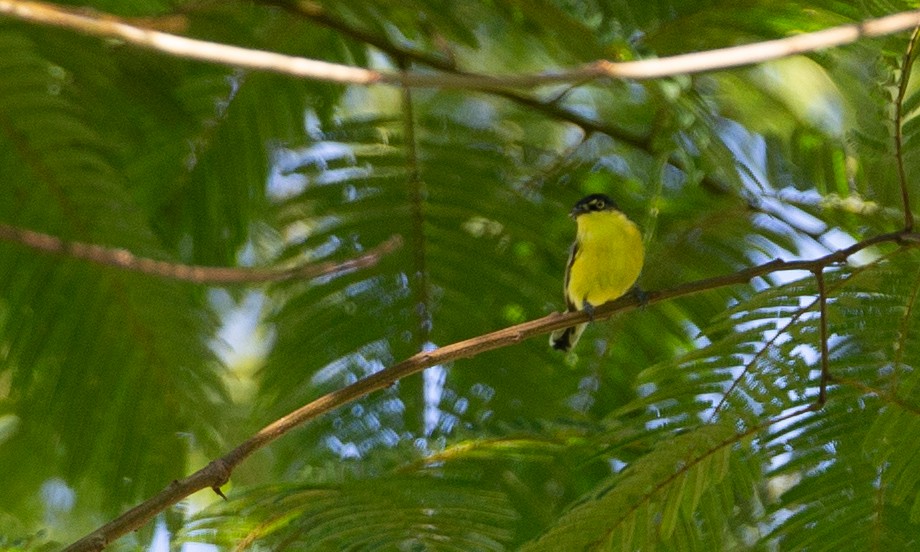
column 566, row 338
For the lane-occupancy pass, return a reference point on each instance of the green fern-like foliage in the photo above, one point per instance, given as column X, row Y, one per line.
column 655, row 499
column 690, row 424
column 865, row 474
column 72, row 355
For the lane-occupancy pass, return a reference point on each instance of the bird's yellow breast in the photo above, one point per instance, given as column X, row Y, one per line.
column 608, row 258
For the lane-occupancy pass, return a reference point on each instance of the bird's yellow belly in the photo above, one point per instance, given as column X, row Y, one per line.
column 607, row 263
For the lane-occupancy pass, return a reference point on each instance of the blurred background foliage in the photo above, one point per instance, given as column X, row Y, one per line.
column 654, row 435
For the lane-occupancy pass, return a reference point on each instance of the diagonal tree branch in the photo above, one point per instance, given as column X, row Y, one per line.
column 217, row 473
column 501, row 86
column 124, row 259
column 108, row 26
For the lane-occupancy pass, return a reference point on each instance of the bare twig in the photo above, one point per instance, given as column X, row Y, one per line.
column 783, row 330
column 749, row 366
column 318, row 14
column 105, row 25
column 217, row 473
column 906, row 66
column 416, row 195
column 124, row 259
column 825, row 355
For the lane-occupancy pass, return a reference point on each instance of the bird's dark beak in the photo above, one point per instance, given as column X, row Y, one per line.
column 576, row 211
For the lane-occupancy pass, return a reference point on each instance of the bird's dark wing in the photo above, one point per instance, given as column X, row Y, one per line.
column 568, row 271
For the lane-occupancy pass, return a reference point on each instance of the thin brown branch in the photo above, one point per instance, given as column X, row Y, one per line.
column 906, row 66
column 781, row 331
column 217, row 473
column 749, row 366
column 825, row 354
column 319, row 15
column 416, row 195
column 125, row 260
column 105, row 25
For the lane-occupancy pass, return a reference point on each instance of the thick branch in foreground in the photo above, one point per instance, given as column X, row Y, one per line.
column 217, row 473
column 108, row 26
column 218, row 275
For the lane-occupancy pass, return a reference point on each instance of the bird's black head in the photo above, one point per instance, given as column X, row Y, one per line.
column 593, row 203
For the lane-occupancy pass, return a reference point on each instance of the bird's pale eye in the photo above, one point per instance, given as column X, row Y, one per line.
column 598, row 203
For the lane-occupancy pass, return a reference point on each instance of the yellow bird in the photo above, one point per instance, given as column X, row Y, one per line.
column 604, row 263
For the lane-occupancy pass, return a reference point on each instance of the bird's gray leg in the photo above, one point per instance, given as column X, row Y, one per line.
column 640, row 296
column 589, row 309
